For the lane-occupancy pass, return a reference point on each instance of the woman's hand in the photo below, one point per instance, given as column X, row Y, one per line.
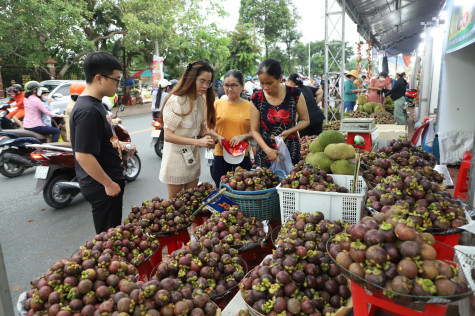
column 236, row 140
column 285, row 134
column 206, row 141
column 272, row 154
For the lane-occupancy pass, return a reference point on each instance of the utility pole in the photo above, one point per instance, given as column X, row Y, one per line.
column 309, row 71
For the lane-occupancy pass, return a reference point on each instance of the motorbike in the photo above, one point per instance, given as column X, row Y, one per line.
column 410, row 95
column 56, row 171
column 14, row 150
column 157, row 137
column 14, row 153
column 5, row 121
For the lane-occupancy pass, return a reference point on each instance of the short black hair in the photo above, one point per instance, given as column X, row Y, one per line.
column 102, row 63
column 271, row 67
column 236, row 74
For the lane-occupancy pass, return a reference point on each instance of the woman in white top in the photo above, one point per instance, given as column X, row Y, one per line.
column 184, row 113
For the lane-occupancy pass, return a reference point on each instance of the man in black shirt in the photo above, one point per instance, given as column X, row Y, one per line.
column 95, row 145
column 397, row 94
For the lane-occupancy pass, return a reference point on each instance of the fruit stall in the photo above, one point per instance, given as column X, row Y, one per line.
column 346, row 230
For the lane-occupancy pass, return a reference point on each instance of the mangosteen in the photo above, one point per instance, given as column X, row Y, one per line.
column 407, row 268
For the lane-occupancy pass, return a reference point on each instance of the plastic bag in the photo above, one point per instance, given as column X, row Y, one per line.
column 283, row 161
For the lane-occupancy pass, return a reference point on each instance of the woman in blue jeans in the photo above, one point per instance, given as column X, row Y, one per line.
column 34, row 107
column 350, row 92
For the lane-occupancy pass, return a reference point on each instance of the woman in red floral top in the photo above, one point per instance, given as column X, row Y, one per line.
column 274, row 112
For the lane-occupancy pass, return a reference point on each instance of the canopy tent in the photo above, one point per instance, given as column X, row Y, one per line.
column 146, row 73
column 393, row 26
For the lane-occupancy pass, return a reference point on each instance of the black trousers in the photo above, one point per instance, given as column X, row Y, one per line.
column 106, row 210
column 312, row 130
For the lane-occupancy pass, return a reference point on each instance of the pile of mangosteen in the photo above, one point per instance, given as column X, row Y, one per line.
column 167, row 297
column 231, row 227
column 395, row 258
column 214, row 268
column 169, row 216
column 125, row 242
column 306, row 177
column 299, row 278
column 254, row 180
column 86, row 287
column 410, row 195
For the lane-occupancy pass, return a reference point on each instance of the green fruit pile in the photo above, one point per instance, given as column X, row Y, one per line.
column 330, row 153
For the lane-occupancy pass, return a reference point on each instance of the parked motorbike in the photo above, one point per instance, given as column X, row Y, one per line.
column 157, row 137
column 14, row 153
column 56, row 174
column 410, row 96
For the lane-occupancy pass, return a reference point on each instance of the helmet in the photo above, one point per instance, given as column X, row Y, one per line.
column 31, row 85
column 163, row 83
column 173, row 82
column 42, row 90
column 249, row 78
column 77, row 88
column 17, row 86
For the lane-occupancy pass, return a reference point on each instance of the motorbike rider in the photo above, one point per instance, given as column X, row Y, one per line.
column 75, row 90
column 18, row 97
column 33, row 109
column 161, row 94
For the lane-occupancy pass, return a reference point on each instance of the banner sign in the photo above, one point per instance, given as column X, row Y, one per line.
column 157, row 70
column 462, row 27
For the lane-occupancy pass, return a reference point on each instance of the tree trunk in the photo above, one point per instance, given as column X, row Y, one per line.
column 70, row 63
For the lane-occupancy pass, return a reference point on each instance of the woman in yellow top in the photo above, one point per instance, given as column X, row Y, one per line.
column 232, row 123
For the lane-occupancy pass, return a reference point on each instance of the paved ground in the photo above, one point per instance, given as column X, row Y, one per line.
column 33, row 235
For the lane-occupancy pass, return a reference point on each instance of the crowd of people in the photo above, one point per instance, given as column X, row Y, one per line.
column 239, row 117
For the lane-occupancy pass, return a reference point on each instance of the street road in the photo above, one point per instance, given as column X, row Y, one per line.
column 33, row 235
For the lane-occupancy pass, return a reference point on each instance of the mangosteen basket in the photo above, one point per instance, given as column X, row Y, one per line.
column 252, row 311
column 123, row 259
column 262, row 204
column 405, row 299
column 231, row 290
column 248, row 245
column 439, row 231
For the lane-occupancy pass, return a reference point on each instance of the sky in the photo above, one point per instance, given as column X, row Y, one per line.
column 312, row 24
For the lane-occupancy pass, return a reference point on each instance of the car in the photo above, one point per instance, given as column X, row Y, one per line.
column 59, row 92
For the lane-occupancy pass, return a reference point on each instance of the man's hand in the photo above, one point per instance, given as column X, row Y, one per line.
column 112, row 189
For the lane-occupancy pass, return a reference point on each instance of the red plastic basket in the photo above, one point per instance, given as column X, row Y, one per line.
column 444, row 253
column 173, row 242
column 362, row 298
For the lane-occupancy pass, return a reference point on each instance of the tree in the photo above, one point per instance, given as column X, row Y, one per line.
column 243, row 50
column 267, row 16
column 317, row 56
column 290, row 33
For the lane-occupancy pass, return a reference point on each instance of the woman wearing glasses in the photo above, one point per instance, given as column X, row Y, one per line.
column 183, row 117
column 232, row 124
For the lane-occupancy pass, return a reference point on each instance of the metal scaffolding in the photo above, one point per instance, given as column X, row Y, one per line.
column 334, row 37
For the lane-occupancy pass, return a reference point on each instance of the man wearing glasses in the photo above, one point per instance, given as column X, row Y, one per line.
column 95, row 145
